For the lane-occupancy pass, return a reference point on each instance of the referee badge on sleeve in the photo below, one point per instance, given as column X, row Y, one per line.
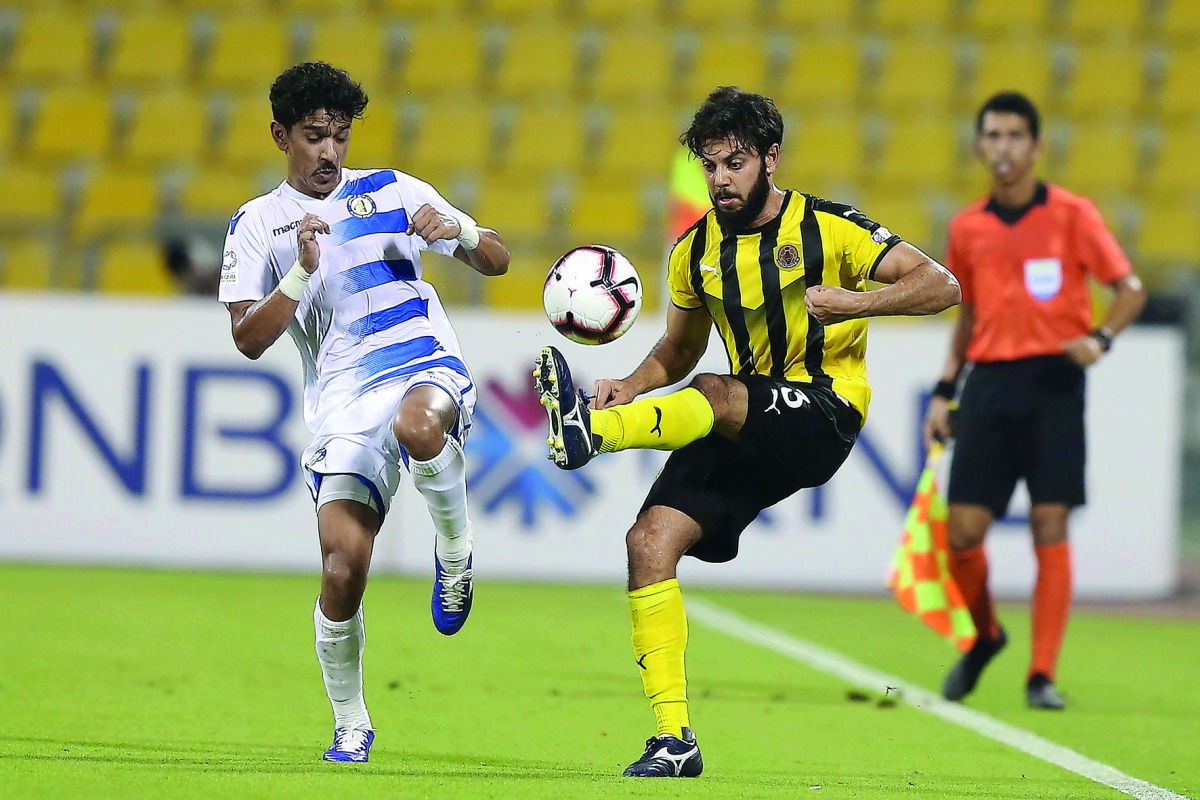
column 1043, row 277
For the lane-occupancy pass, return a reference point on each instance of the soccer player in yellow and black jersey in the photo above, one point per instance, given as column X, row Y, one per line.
column 783, row 277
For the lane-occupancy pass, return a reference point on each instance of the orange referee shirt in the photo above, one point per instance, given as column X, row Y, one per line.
column 1026, row 272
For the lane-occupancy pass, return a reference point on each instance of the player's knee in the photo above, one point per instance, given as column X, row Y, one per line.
column 711, row 386
column 344, row 576
column 420, row 431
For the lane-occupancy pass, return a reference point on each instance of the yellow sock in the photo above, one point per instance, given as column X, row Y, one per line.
column 655, row 423
column 659, row 639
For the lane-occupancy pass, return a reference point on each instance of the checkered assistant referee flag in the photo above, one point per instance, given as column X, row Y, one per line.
column 920, row 574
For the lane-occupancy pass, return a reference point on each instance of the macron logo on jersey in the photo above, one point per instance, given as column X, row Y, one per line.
column 233, row 223
column 291, row 226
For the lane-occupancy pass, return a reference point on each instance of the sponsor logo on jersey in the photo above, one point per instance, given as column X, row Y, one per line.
column 788, row 257
column 361, row 206
column 291, row 226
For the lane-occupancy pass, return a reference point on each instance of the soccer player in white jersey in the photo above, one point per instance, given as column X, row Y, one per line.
column 333, row 257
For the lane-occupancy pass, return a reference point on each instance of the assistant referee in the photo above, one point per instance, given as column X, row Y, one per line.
column 1023, row 255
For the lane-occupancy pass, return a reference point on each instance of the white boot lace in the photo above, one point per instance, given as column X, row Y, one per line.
column 454, row 590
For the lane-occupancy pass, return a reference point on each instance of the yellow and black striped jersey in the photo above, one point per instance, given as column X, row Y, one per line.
column 752, row 283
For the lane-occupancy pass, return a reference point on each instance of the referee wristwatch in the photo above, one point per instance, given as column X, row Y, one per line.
column 1104, row 336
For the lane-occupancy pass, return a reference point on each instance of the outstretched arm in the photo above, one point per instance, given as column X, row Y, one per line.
column 670, row 360
column 917, row 285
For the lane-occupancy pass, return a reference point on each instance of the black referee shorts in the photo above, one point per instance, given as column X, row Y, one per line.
column 795, row 436
column 1020, row 419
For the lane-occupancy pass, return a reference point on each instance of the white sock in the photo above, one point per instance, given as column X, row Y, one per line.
column 442, row 481
column 340, row 648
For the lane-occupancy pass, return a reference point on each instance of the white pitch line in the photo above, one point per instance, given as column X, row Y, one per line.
column 849, row 670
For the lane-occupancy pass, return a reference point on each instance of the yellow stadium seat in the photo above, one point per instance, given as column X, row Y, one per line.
column 539, row 61
column 729, row 60
column 634, row 66
column 135, row 268
column 8, row 117
column 248, row 53
column 1181, row 22
column 922, row 152
column 407, row 10
column 53, row 46
column 373, row 138
column 519, row 210
column 1101, row 160
column 522, row 10
column 229, row 6
column 1181, row 90
column 1104, row 19
column 151, row 49
column 168, row 127
column 36, row 205
column 26, row 263
column 211, row 194
column 824, row 152
column 628, row 14
column 913, row 15
column 1169, row 233
column 807, row 17
column 72, row 125
column 999, row 18
column 546, row 139
column 607, row 212
column 713, row 15
column 1106, row 81
column 356, row 45
column 638, row 142
column 452, row 137
column 823, row 76
column 442, row 59
column 1177, row 169
column 116, row 202
column 521, row 287
column 918, row 77
column 903, row 213
column 1022, row 68
column 247, row 142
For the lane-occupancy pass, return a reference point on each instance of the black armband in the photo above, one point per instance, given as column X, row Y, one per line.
column 945, row 389
column 1104, row 336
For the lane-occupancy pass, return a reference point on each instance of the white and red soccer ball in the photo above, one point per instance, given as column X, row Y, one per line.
column 592, row 294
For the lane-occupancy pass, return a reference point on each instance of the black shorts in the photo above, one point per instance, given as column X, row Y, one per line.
column 1020, row 419
column 796, row 436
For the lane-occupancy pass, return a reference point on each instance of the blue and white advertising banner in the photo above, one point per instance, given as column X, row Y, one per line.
column 135, row 433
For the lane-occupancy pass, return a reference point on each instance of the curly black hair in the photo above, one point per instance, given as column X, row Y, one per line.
column 1011, row 103
column 314, row 85
column 751, row 120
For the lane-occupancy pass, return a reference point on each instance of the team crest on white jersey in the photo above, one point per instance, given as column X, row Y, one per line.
column 360, row 205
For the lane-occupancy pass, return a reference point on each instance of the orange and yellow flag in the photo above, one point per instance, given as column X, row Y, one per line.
column 920, row 573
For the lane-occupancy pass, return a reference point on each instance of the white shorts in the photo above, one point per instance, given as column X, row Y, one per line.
column 358, row 438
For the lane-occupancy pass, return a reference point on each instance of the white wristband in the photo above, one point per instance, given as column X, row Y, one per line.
column 294, row 282
column 469, row 236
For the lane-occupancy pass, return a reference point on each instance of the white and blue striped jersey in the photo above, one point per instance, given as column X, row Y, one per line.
column 367, row 319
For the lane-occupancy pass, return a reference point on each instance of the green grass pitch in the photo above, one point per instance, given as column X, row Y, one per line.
column 125, row 683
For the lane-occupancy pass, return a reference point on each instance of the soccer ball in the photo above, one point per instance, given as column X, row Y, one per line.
column 592, row 294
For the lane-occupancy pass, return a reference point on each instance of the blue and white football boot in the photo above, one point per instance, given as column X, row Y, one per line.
column 570, row 438
column 452, row 596
column 351, row 744
column 667, row 756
